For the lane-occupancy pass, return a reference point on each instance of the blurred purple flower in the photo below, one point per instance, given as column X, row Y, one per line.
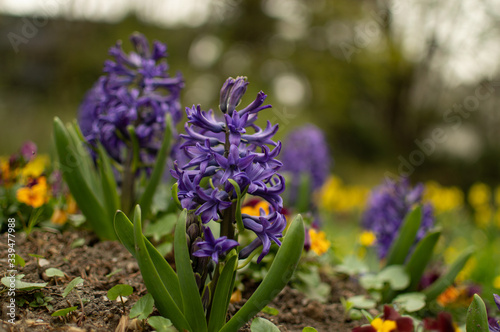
column 212, row 247
column 136, row 91
column 28, row 150
column 305, row 152
column 492, row 322
column 387, row 207
column 232, row 147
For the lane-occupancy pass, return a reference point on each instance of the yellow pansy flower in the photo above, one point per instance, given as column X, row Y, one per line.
column 255, row 210
column 35, row 167
column 34, row 195
column 319, row 243
column 383, row 325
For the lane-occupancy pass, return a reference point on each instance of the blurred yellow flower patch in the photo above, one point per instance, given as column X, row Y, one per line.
column 334, row 196
column 443, row 198
column 319, row 243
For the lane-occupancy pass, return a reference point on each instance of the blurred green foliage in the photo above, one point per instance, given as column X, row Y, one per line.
column 355, row 84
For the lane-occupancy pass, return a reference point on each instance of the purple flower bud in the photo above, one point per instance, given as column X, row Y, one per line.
column 231, row 93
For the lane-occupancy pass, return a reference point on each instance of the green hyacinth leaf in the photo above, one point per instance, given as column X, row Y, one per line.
column 279, row 274
column 108, row 182
column 125, row 233
column 440, row 285
column 161, row 158
column 222, row 293
column 193, row 308
column 477, row 318
column 81, row 181
column 406, row 237
column 420, row 258
column 154, row 284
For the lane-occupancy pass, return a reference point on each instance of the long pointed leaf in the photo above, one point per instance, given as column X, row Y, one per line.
column 279, row 274
column 477, row 318
column 156, row 176
column 154, row 284
column 125, row 233
column 447, row 279
column 193, row 308
column 222, row 291
column 420, row 258
column 108, row 182
column 407, row 233
column 70, row 161
column 86, row 164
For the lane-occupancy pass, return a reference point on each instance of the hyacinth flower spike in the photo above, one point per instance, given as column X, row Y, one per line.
column 228, row 157
column 126, row 121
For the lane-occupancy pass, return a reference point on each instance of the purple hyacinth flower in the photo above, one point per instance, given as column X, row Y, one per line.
column 135, row 91
column 268, row 228
column 494, row 324
column 212, row 247
column 387, row 207
column 215, row 200
column 232, row 149
column 306, row 152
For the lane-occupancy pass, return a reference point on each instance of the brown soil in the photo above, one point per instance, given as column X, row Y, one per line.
column 94, row 260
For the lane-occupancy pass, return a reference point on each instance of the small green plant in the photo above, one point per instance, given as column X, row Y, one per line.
column 18, row 260
column 161, row 324
column 121, row 291
column 260, row 324
column 52, row 272
column 143, row 308
column 69, row 288
column 20, row 285
column 40, row 300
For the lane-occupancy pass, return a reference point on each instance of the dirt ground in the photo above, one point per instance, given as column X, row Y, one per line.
column 93, row 261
